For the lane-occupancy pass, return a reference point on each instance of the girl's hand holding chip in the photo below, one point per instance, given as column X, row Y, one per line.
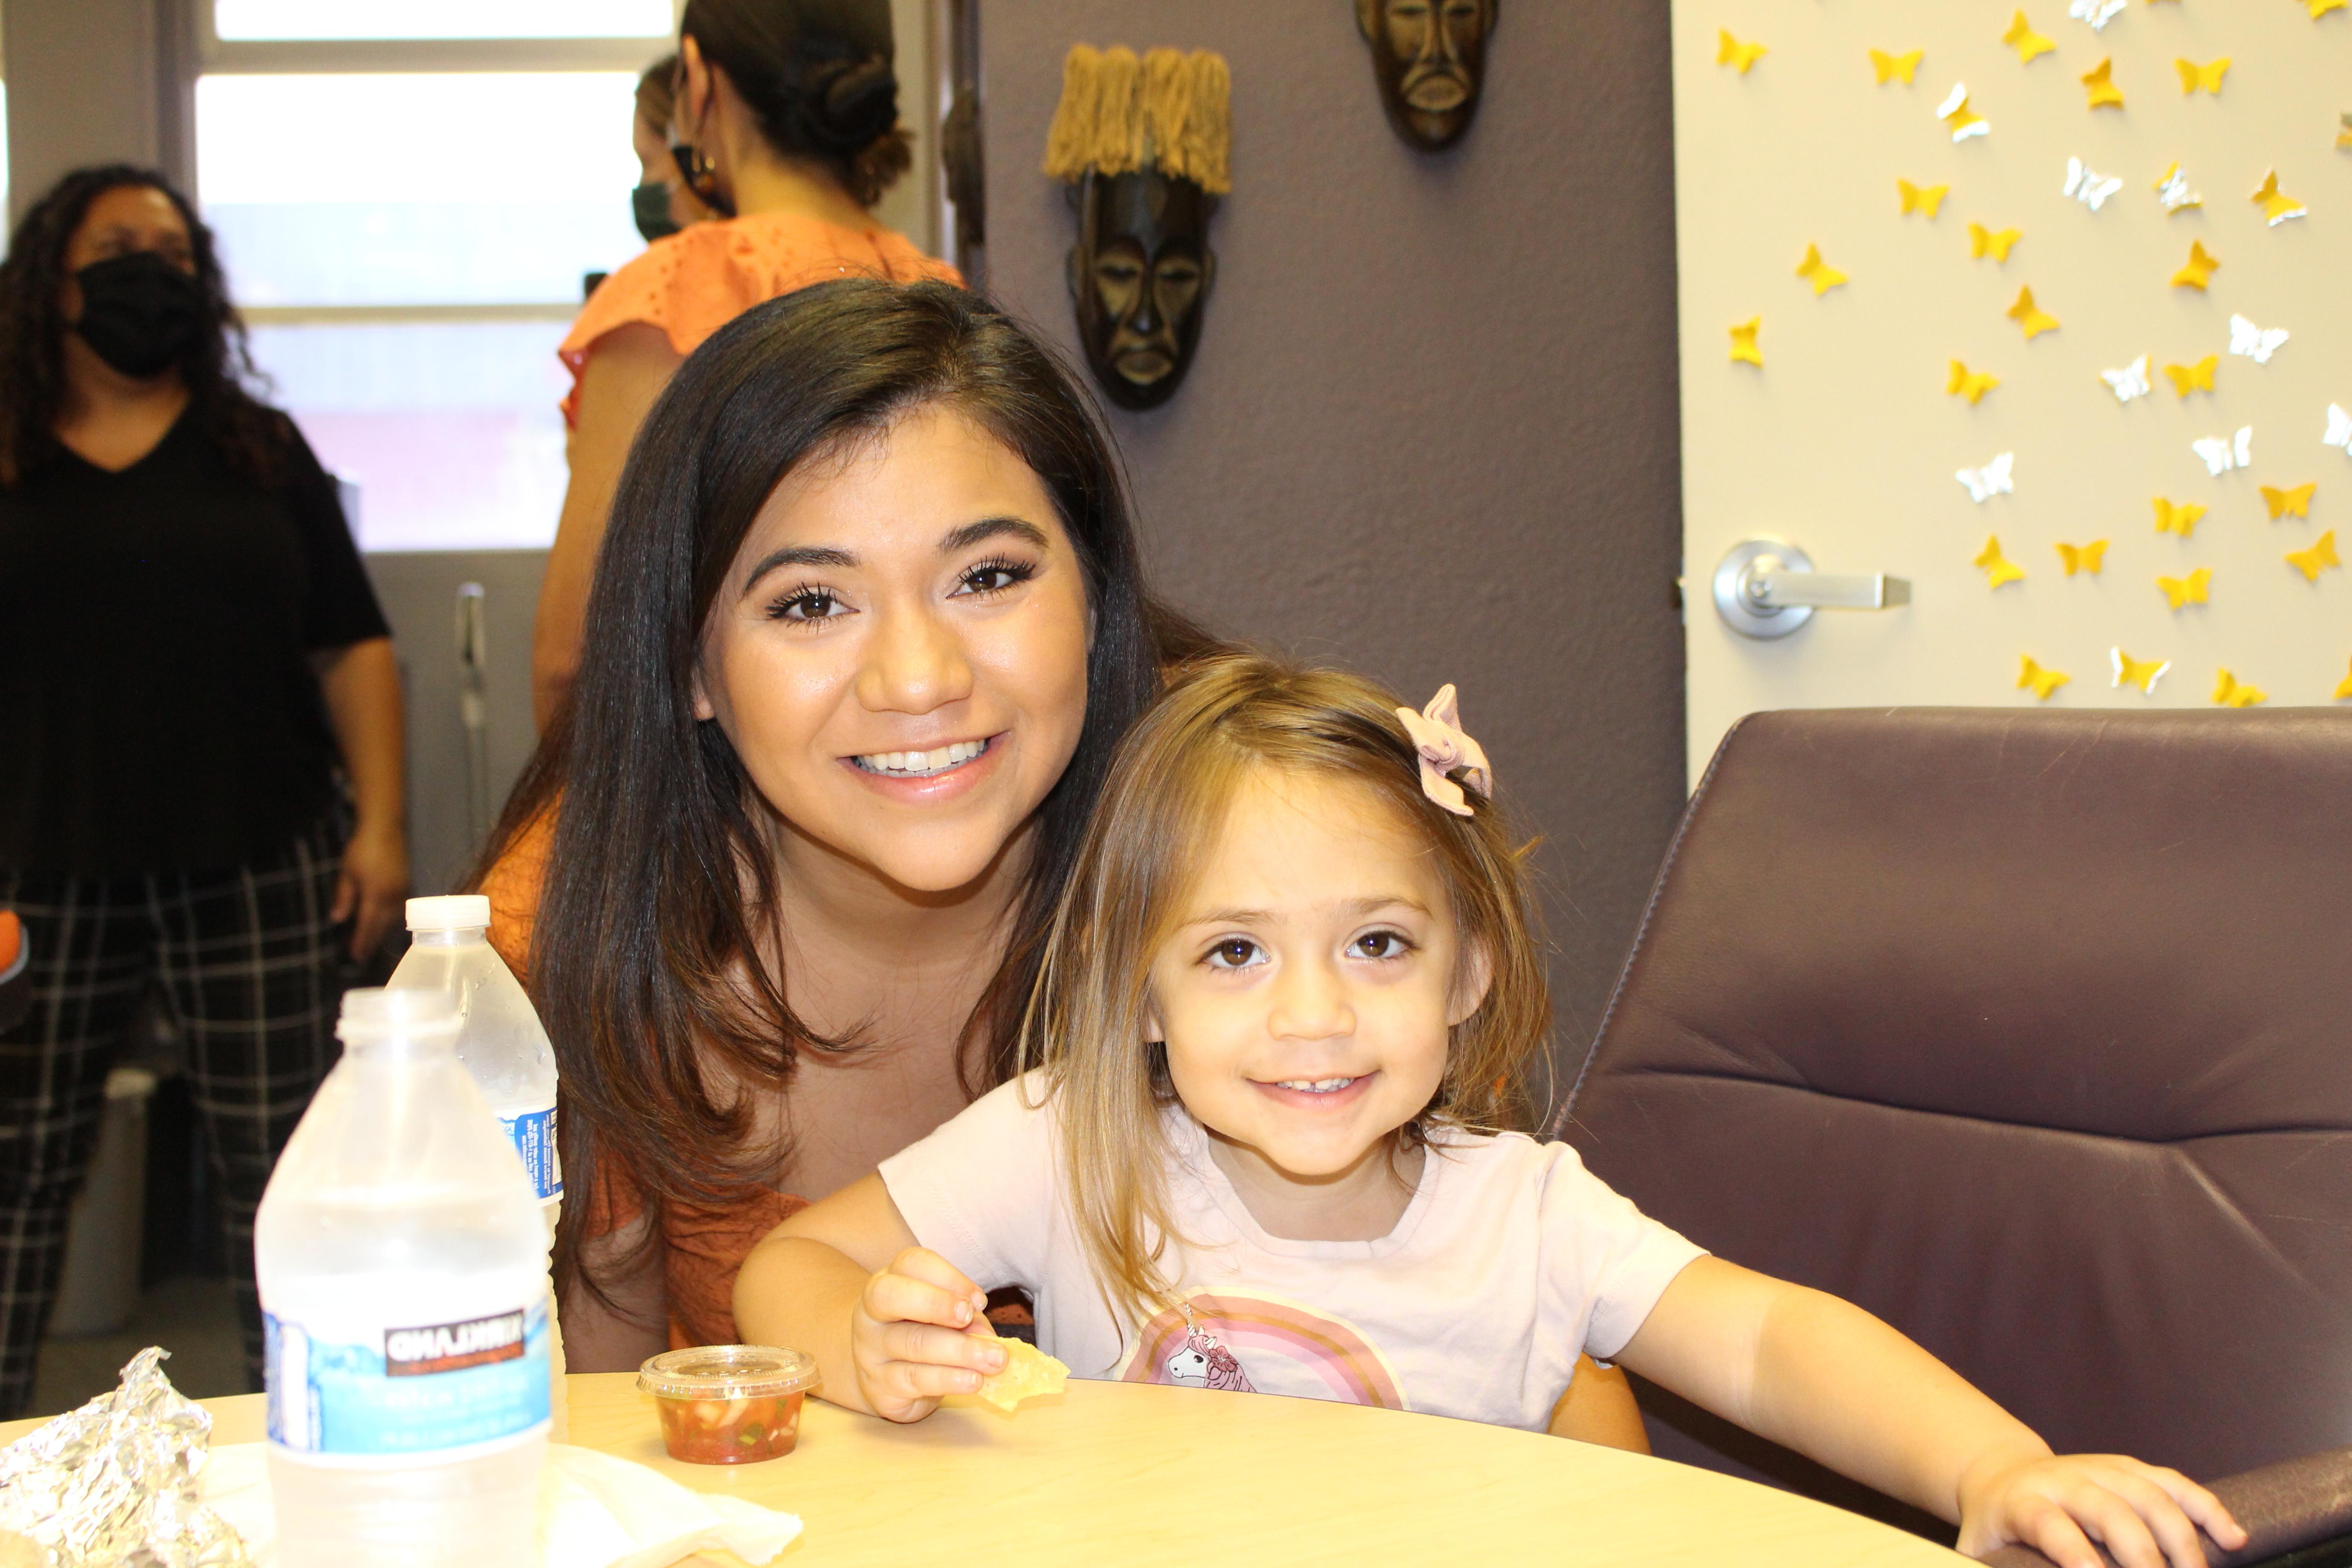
column 919, row 1332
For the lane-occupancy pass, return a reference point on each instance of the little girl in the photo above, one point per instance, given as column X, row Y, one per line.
column 1293, row 980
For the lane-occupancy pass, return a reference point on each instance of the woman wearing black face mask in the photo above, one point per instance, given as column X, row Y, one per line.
column 787, row 112
column 661, row 205
column 189, row 653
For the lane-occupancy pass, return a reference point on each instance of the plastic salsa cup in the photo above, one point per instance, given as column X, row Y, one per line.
column 729, row 1405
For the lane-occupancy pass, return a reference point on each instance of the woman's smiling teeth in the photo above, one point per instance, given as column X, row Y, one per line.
column 1314, row 1085
column 921, row 764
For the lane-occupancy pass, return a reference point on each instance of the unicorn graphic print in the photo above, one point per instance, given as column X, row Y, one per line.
column 1243, row 1342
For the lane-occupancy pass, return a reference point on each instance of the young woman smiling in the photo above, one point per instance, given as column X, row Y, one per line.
column 868, row 623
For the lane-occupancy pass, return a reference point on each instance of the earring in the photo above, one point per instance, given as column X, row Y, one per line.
column 694, row 166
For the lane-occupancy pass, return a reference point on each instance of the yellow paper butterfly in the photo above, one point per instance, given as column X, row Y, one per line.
column 1998, row 569
column 2231, row 692
column 2180, row 519
column 1819, row 273
column 2188, row 378
column 1970, row 385
column 2296, row 502
column 2142, row 673
column 2343, row 137
column 2189, row 590
column 2207, row 76
column 2344, row 687
column 1743, row 341
column 1730, row 51
column 2028, row 42
column 2276, row 209
column 2312, row 562
column 2043, row 681
column 1920, row 198
column 2319, row 8
column 2034, row 319
column 1983, row 242
column 1892, row 67
column 2104, row 93
column 2083, row 557
column 2198, row 271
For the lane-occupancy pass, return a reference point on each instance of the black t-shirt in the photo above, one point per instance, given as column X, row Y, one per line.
column 158, row 707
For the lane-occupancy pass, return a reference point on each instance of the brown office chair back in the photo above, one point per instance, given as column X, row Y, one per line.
column 2031, row 1033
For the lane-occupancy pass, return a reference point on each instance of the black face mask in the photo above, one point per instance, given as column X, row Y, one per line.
column 140, row 313
column 649, row 205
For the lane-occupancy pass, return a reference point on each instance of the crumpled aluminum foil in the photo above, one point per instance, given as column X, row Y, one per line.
column 113, row 1484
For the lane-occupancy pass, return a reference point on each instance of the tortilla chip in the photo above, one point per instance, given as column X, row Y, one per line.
column 1028, row 1372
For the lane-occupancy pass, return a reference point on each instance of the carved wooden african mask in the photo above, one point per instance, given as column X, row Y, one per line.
column 1140, row 278
column 1430, row 59
column 1145, row 145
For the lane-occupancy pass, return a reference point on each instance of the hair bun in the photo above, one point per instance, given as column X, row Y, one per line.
column 848, row 103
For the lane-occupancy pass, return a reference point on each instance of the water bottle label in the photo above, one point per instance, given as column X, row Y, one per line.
column 534, row 1138
column 418, row 1389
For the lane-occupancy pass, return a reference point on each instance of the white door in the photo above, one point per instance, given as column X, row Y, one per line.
column 1915, row 414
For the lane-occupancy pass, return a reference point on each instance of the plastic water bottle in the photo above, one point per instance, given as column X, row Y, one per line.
column 403, row 1295
column 503, row 1046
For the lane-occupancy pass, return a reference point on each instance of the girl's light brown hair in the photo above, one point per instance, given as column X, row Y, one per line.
column 1161, row 811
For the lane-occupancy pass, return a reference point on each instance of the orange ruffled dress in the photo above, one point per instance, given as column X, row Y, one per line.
column 703, row 277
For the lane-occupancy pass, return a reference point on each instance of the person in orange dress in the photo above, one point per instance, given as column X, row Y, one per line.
column 789, row 115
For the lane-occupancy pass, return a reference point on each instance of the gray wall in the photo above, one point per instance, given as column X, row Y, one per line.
column 93, row 81
column 419, row 594
column 1432, row 432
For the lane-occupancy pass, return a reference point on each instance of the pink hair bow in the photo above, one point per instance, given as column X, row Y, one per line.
column 1436, row 732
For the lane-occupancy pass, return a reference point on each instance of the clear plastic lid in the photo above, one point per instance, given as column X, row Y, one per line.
column 451, row 911
column 727, row 1372
column 374, row 1013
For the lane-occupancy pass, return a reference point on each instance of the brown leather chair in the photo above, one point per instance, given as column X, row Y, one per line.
column 2032, row 1033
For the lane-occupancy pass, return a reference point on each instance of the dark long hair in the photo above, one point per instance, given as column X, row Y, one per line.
column 251, row 438
column 660, row 886
column 820, row 75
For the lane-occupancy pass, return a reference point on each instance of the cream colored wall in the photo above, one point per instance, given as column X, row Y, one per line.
column 1845, row 439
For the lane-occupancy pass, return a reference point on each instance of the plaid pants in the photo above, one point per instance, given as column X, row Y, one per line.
column 254, row 974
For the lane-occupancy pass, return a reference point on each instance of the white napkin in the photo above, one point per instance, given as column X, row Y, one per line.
column 595, row 1512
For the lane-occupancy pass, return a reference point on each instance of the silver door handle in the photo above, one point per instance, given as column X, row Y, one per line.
column 1767, row 588
column 1788, row 590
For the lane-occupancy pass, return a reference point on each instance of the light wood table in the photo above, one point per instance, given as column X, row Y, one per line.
column 1114, row 1473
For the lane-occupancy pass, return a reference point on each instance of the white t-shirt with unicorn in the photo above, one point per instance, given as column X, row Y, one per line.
column 1509, row 1260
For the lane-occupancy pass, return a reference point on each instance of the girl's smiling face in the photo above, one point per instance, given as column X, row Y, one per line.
column 1307, row 993
column 899, row 652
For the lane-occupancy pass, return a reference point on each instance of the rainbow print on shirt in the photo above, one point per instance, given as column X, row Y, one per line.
column 1253, row 1343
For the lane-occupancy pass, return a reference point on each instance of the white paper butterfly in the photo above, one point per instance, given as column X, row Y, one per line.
column 2254, row 343
column 1955, row 102
column 2130, row 382
column 2088, row 186
column 2174, row 193
column 1991, row 480
column 2339, row 429
column 2222, row 453
column 2098, row 12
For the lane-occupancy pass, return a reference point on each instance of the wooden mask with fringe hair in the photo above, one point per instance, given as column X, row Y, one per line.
column 1146, row 147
